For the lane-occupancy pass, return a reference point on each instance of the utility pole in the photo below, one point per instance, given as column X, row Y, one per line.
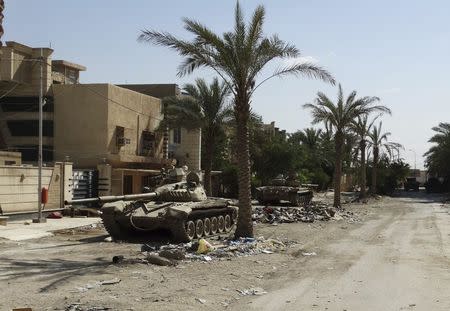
column 415, row 162
column 40, row 219
column 2, row 7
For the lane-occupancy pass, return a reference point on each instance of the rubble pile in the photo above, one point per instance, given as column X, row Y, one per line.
column 244, row 247
column 288, row 214
column 172, row 254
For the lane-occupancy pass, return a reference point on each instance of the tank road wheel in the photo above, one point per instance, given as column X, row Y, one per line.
column 214, row 225
column 220, row 224
column 227, row 223
column 199, row 228
column 234, row 216
column 190, row 229
column 207, row 226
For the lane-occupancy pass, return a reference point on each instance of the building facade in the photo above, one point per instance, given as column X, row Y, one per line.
column 109, row 127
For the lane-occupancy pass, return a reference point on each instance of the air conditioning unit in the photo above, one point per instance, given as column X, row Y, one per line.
column 122, row 141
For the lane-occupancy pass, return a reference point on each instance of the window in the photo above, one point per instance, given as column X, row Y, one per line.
column 30, row 152
column 120, row 136
column 30, row 127
column 25, row 104
column 148, row 144
column 177, row 135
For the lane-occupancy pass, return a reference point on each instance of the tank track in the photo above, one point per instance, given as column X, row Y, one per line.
column 302, row 199
column 204, row 224
column 115, row 230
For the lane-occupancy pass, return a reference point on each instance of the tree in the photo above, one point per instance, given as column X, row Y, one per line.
column 338, row 117
column 437, row 157
column 205, row 107
column 379, row 142
column 239, row 57
column 362, row 128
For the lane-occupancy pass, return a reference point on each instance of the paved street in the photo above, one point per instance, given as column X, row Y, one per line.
column 398, row 261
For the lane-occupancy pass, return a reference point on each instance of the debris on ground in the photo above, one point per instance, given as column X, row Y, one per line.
column 172, row 254
column 204, row 247
column 97, row 284
column 159, row 260
column 310, row 254
column 79, row 307
column 55, row 215
column 258, row 291
column 289, row 214
column 202, row 301
column 110, row 282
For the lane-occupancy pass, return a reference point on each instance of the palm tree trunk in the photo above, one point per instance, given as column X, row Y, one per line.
column 374, row 170
column 208, row 165
column 362, row 182
column 244, row 225
column 339, row 141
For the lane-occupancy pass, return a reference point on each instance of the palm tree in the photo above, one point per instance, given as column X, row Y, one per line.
column 205, row 107
column 309, row 137
column 338, row 118
column 238, row 57
column 362, row 128
column 379, row 142
column 438, row 154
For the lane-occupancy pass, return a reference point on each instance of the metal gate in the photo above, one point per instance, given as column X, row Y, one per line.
column 85, row 184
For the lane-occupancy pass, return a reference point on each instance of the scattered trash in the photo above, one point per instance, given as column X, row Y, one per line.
column 310, row 254
column 202, row 301
column 204, row 247
column 159, row 261
column 110, row 282
column 79, row 307
column 174, row 254
column 257, row 291
column 55, row 215
column 148, row 248
column 108, row 239
column 288, row 214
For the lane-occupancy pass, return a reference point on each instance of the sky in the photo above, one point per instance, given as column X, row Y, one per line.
column 396, row 50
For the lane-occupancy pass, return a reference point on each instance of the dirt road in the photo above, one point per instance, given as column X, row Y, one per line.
column 396, row 258
column 400, row 260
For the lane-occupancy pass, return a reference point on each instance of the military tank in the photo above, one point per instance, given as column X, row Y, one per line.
column 286, row 189
column 182, row 208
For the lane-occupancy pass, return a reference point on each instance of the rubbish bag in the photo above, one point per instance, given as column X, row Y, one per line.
column 204, row 247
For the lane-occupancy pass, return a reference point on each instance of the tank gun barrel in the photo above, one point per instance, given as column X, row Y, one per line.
column 112, row 198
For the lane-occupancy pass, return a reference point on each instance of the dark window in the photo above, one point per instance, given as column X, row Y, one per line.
column 127, row 184
column 30, row 127
column 120, row 136
column 25, row 104
column 148, row 143
column 30, row 153
column 177, row 135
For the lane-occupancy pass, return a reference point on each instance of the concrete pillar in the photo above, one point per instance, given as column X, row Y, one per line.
column 104, row 179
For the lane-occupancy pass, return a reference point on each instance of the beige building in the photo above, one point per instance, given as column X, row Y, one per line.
column 104, row 126
column 183, row 145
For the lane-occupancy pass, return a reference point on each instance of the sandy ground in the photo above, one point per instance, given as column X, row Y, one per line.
column 396, row 258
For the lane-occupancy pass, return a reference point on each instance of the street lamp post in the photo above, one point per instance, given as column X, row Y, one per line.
column 40, row 219
column 415, row 161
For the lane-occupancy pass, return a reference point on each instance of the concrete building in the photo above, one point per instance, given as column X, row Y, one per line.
column 183, row 145
column 109, row 127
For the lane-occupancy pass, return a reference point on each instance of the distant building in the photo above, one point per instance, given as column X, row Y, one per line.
column 114, row 126
column 271, row 130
